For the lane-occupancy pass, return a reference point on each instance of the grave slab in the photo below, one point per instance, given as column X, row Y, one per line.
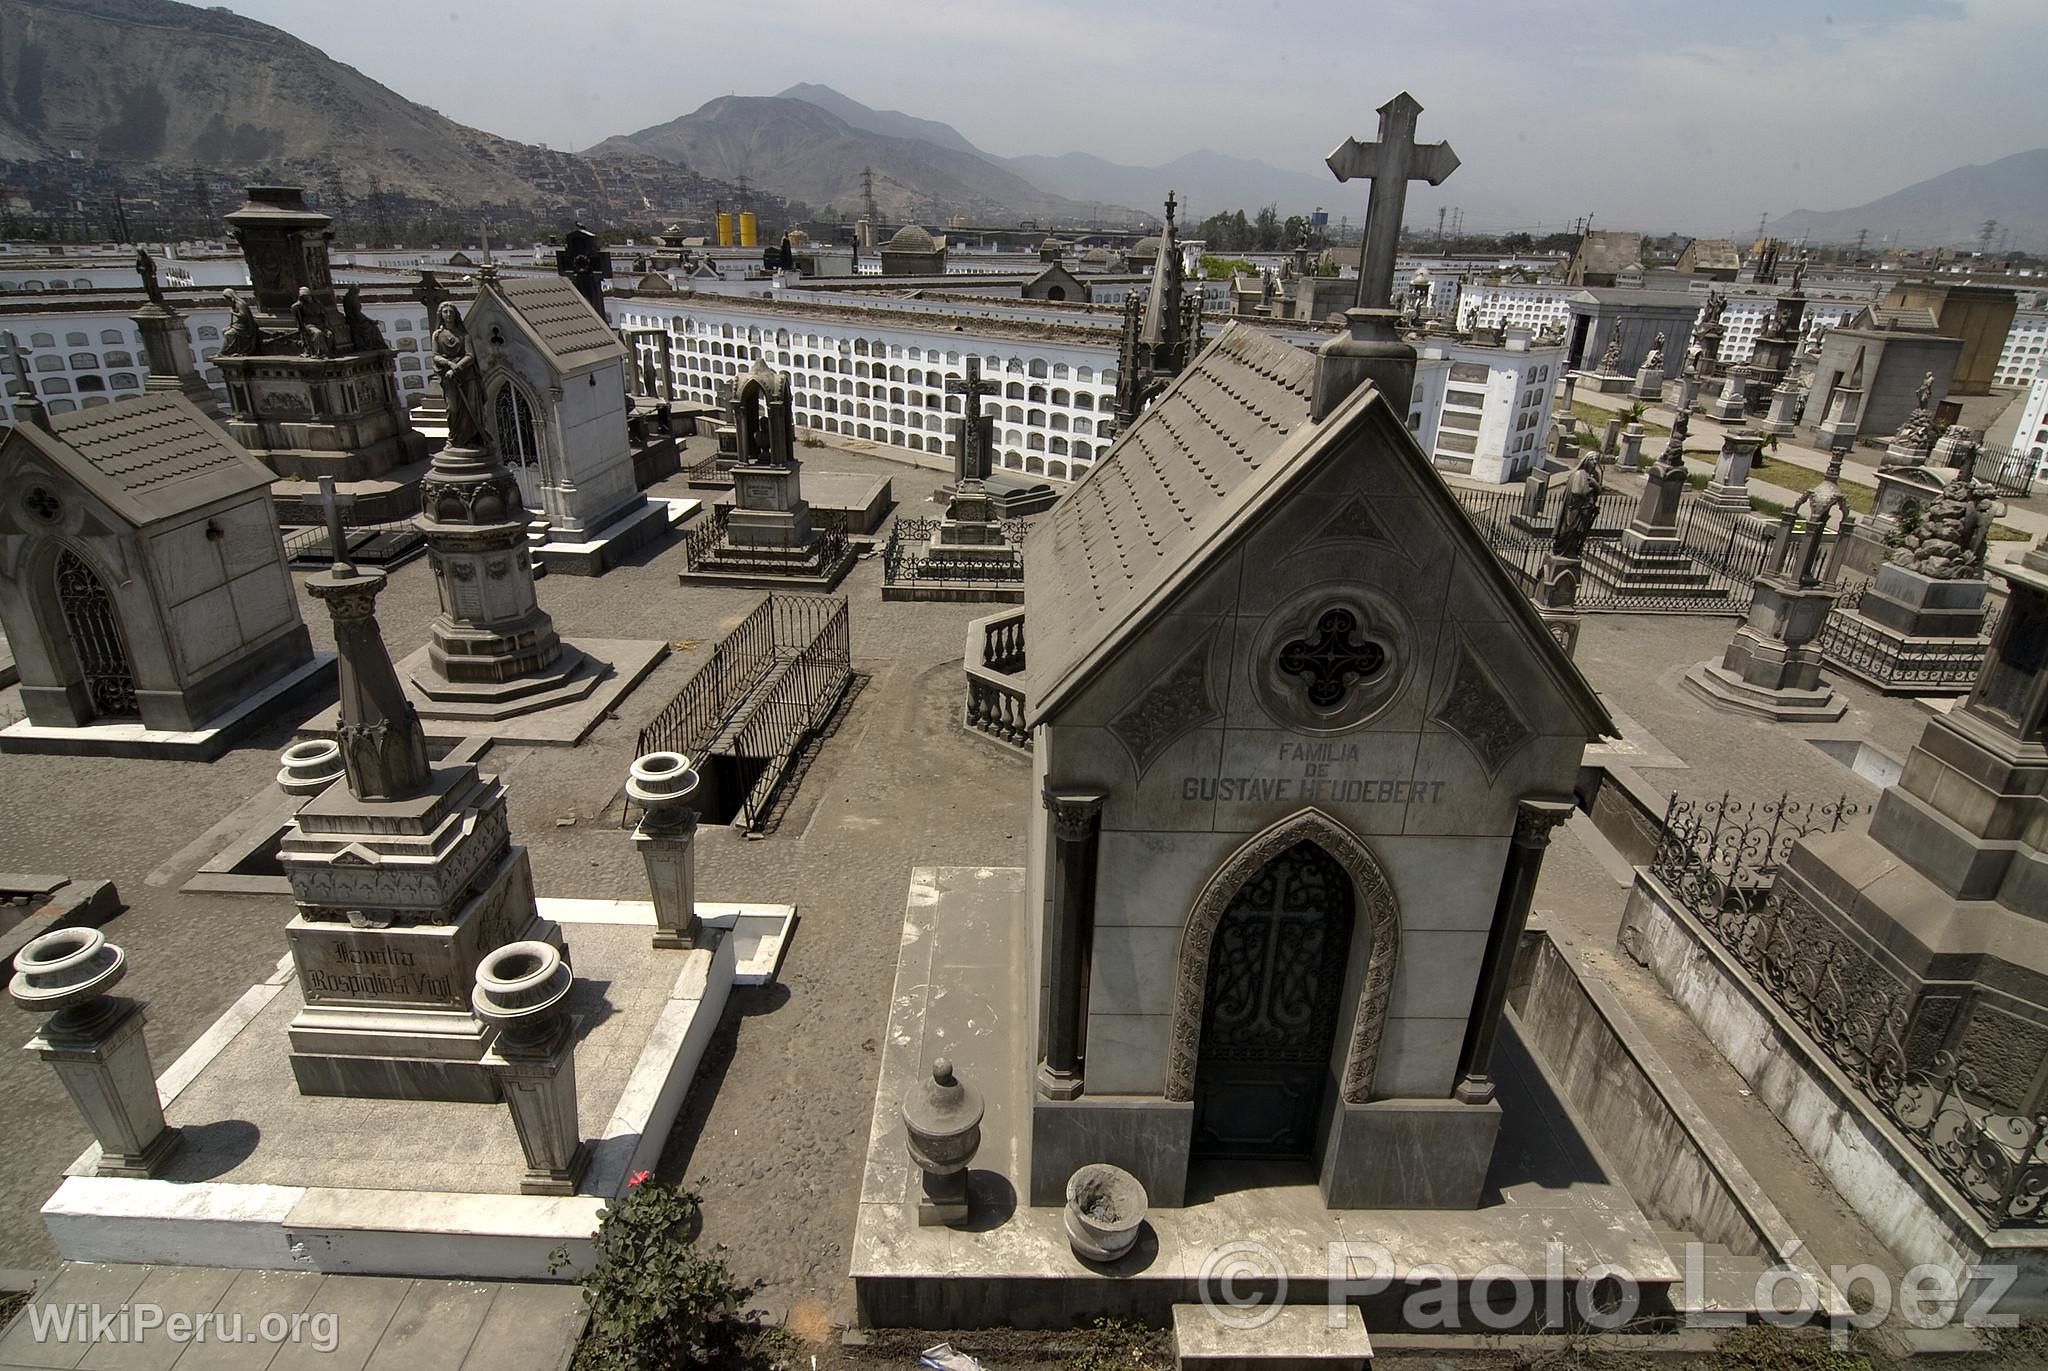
column 199, row 745
column 961, row 992
column 863, row 500
column 616, row 540
column 564, row 717
column 272, row 1179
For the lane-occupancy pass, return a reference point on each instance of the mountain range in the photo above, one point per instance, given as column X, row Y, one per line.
column 1948, row 210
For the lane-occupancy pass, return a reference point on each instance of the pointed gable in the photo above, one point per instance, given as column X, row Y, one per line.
column 147, row 459
column 1230, row 445
column 557, row 318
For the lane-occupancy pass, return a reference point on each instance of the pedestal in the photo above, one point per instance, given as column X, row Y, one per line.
column 1772, row 666
column 1782, row 418
column 519, row 992
column 1729, row 490
column 1732, row 407
column 1649, row 385
column 105, row 1067
column 1632, row 447
column 1913, row 634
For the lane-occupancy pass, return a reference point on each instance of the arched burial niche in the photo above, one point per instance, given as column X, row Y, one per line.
column 1258, row 1014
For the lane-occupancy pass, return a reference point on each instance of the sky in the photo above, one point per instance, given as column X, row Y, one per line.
column 1649, row 114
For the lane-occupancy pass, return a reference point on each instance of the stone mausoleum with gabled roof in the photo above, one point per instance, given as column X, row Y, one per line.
column 143, row 584
column 1299, row 737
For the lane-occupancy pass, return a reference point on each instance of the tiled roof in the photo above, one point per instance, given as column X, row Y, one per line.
column 1136, row 517
column 561, row 319
column 156, row 455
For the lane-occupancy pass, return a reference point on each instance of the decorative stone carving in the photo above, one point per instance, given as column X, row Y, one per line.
column 1476, row 710
column 1177, row 702
column 1377, row 913
column 1353, row 522
column 1330, row 658
column 942, row 1131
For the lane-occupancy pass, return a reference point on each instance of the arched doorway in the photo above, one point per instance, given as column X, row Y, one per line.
column 1270, row 1008
column 96, row 641
column 519, row 441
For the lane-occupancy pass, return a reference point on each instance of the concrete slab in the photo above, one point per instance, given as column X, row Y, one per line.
column 268, row 1178
column 626, row 664
column 199, row 745
column 616, row 540
column 961, row 992
column 1296, row 1338
column 863, row 499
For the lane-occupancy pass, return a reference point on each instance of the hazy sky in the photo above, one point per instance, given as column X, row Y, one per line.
column 1654, row 114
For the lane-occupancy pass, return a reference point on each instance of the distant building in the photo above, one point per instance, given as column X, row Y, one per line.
column 1980, row 316
column 1483, row 304
column 1711, row 259
column 1604, row 256
column 2031, row 437
column 2019, row 361
column 1481, row 410
column 913, row 252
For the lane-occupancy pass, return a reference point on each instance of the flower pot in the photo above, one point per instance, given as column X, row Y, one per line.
column 1105, row 1208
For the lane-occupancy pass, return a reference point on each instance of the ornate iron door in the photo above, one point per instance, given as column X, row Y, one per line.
column 519, row 442
column 1269, row 1017
column 95, row 638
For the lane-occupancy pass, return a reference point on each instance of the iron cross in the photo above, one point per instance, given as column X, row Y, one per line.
column 1391, row 163
column 975, row 458
column 430, row 293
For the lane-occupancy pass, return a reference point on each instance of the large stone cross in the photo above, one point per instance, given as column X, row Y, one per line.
column 430, row 293
column 1391, row 163
column 974, row 460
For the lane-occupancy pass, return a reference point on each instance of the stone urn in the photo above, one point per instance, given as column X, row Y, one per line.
column 664, row 784
column 1105, row 1208
column 310, row 767
column 942, row 1121
column 519, row 991
column 67, row 974
column 666, row 788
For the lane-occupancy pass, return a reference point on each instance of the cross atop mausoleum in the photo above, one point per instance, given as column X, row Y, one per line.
column 1391, row 163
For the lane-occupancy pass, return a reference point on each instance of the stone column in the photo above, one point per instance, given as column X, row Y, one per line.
column 1729, row 490
column 1076, row 831
column 93, row 1040
column 1688, row 391
column 663, row 784
column 519, row 991
column 1533, row 821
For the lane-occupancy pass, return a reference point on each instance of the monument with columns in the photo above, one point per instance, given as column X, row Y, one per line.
column 311, row 387
column 1273, row 730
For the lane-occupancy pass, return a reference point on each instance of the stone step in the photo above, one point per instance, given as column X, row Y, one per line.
column 1294, row 1336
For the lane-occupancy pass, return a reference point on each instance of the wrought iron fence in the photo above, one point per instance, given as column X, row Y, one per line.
column 2010, row 471
column 313, row 545
column 1727, row 549
column 708, row 544
column 1720, row 860
column 806, row 687
column 904, row 561
column 688, row 723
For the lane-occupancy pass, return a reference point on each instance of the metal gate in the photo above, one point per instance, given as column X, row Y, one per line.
column 95, row 639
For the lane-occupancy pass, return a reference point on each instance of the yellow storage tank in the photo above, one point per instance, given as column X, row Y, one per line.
column 724, row 228
column 750, row 228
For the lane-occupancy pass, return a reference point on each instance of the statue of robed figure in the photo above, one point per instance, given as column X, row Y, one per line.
column 462, row 382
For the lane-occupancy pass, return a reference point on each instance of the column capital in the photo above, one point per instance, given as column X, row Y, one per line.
column 1535, row 818
column 1076, row 814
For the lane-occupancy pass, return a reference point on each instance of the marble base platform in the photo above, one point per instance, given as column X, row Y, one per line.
column 559, row 712
column 1724, row 689
column 962, row 992
column 378, row 500
column 616, row 540
column 269, row 1179
column 1600, row 383
column 199, row 745
column 766, row 568
column 863, row 501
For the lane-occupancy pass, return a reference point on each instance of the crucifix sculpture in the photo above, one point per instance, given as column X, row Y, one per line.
column 430, row 293
column 975, row 457
column 1391, row 163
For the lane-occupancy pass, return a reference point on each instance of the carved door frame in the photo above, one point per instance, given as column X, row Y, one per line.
column 1376, row 920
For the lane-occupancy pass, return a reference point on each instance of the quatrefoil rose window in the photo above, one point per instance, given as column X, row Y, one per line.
column 1330, row 659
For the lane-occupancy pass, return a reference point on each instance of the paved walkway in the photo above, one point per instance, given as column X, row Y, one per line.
column 200, row 1318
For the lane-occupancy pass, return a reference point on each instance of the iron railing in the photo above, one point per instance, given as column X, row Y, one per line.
column 689, row 722
column 2010, row 471
column 707, row 546
column 1974, row 1121
column 806, row 687
column 905, row 558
